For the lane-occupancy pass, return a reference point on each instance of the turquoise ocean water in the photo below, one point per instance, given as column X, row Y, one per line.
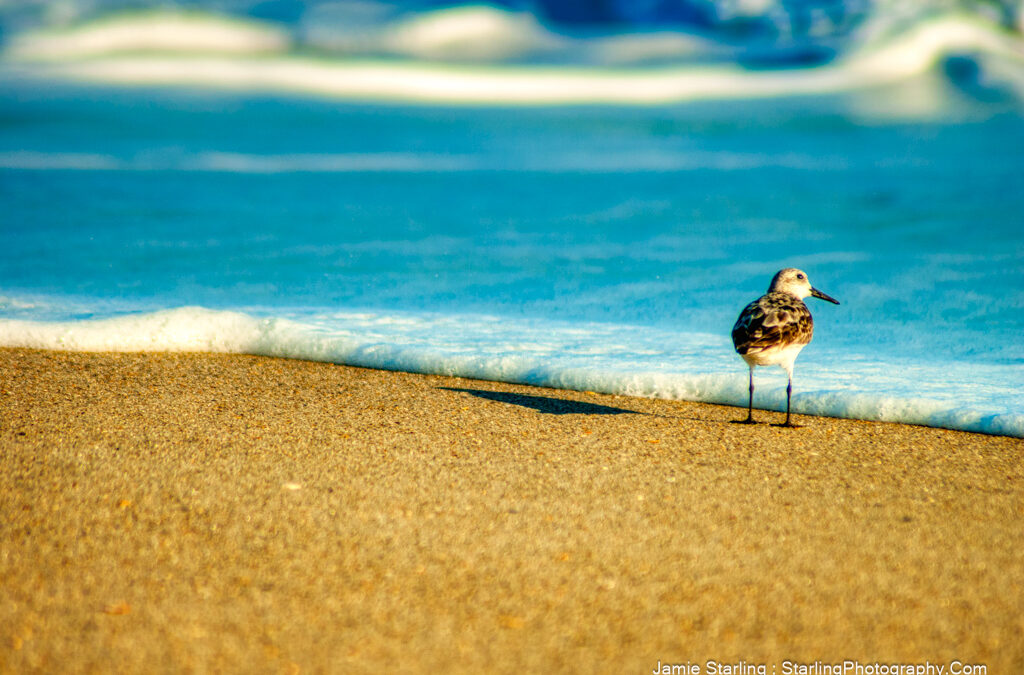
column 583, row 244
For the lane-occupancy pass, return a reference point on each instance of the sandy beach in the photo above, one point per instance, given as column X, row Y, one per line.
column 218, row 513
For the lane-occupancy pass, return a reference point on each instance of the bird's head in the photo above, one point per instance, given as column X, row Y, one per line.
column 795, row 282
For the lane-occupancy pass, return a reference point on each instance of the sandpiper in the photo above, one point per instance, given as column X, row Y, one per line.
column 773, row 329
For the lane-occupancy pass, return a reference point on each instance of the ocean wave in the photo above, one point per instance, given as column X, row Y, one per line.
column 595, row 357
column 469, row 33
column 234, row 162
column 483, row 33
column 153, row 31
column 252, row 60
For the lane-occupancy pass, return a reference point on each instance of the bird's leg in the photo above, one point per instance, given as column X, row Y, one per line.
column 750, row 399
column 789, row 394
column 750, row 402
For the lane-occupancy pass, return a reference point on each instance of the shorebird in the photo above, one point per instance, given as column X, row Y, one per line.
column 773, row 329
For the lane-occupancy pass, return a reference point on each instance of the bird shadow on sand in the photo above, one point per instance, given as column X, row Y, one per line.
column 546, row 404
column 764, row 423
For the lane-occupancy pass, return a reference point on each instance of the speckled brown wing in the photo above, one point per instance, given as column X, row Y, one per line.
column 772, row 320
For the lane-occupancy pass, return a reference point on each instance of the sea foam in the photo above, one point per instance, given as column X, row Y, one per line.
column 156, row 31
column 614, row 359
column 220, row 54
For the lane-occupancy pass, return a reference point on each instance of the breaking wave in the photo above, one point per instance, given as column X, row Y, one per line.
column 478, row 55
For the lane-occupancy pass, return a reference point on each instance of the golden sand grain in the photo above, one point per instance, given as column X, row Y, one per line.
column 267, row 515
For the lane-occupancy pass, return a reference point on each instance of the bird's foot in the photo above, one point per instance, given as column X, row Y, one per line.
column 749, row 420
column 788, row 425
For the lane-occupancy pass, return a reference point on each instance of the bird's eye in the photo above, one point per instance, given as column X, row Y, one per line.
column 799, row 276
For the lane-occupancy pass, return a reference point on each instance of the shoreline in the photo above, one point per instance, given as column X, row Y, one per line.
column 230, row 512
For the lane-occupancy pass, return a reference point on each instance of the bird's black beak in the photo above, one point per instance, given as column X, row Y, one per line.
column 824, row 296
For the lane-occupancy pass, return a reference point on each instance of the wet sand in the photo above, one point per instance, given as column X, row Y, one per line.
column 221, row 513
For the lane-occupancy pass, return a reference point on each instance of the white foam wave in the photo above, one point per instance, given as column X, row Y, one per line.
column 920, row 47
column 157, row 31
column 887, row 63
column 597, row 357
column 469, row 33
